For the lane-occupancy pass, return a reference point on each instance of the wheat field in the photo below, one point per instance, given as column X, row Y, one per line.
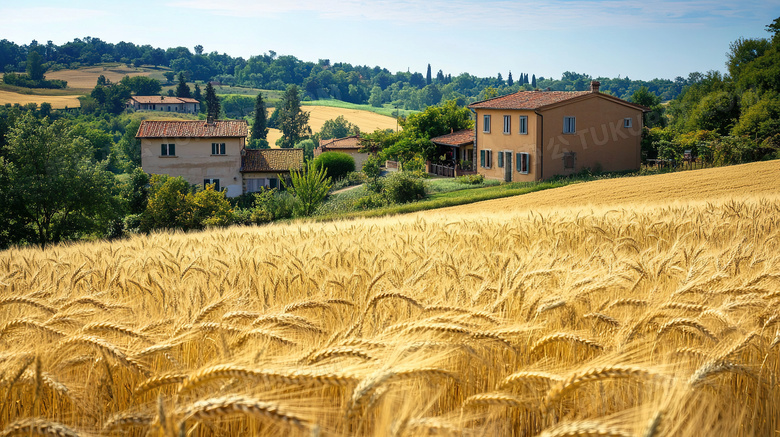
column 640, row 320
column 57, row 102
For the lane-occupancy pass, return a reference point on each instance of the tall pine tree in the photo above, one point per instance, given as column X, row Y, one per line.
column 509, row 80
column 293, row 122
column 182, row 89
column 260, row 124
column 428, row 79
column 212, row 102
column 533, row 81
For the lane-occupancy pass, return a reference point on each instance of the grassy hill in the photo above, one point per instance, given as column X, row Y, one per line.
column 638, row 306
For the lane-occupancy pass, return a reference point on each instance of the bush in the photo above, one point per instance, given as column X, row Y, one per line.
column 350, row 179
column 372, row 167
column 373, row 200
column 403, row 187
column 336, row 164
column 471, row 179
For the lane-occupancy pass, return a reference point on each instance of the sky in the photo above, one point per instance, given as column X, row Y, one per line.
column 639, row 39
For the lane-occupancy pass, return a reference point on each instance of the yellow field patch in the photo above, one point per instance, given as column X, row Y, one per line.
column 759, row 178
column 57, row 102
column 86, row 78
column 367, row 121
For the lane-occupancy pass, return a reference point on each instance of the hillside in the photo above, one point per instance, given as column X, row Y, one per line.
column 721, row 183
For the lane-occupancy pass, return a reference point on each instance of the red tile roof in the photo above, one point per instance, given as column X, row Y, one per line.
column 458, row 138
column 528, row 99
column 264, row 160
column 192, row 129
column 162, row 100
column 352, row 142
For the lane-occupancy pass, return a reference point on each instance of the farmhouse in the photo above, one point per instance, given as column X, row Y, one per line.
column 534, row 135
column 457, row 148
column 349, row 145
column 163, row 103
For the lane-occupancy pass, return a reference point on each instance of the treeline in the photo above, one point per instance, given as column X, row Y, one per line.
column 727, row 119
column 318, row 80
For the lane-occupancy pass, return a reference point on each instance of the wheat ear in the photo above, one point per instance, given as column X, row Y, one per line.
column 590, row 375
column 34, row 426
column 215, row 408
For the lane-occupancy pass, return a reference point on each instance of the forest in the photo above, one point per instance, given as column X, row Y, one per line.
column 322, row 79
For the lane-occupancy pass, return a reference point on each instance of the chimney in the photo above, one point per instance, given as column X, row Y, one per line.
column 594, row 86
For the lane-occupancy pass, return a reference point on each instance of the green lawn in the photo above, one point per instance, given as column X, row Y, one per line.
column 386, row 109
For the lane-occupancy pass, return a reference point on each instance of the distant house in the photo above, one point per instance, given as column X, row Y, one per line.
column 202, row 152
column 534, row 135
column 213, row 152
column 262, row 168
column 163, row 103
column 349, row 145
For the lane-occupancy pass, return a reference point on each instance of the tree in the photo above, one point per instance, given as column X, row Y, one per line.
column 310, row 185
column 212, row 102
column 141, row 85
column 54, row 189
column 169, row 75
column 182, row 89
column 292, row 121
column 308, row 147
column 654, row 118
column 533, row 81
column 197, row 95
column 509, row 80
column 742, row 52
column 259, row 124
column 338, row 128
column 198, row 49
column 428, row 79
column 336, row 164
column 35, row 68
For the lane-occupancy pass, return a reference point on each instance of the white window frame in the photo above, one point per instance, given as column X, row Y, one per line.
column 569, row 125
column 215, row 181
column 523, row 164
column 168, row 149
column 627, row 122
column 486, row 123
column 507, row 124
column 523, row 125
column 217, row 148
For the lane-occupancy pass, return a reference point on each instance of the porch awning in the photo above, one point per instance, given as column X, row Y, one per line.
column 460, row 138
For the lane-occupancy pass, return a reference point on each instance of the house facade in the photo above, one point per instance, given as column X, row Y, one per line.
column 534, row 135
column 263, row 168
column 202, row 152
column 349, row 145
column 164, row 103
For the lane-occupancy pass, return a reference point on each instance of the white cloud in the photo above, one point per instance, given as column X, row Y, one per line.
column 469, row 15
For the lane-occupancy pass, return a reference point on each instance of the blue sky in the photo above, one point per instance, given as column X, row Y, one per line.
column 634, row 38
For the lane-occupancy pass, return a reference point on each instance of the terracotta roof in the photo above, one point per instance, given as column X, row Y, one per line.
column 162, row 100
column 192, row 129
column 255, row 160
column 352, row 142
column 528, row 99
column 458, row 138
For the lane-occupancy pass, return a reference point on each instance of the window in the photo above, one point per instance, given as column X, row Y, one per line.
column 217, row 148
column 569, row 160
column 524, row 125
column 500, row 159
column 626, row 122
column 507, row 125
column 257, row 184
column 485, row 158
column 486, row 124
column 569, row 125
column 168, row 150
column 523, row 162
column 207, row 182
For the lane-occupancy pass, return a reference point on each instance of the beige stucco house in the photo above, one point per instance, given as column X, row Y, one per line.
column 349, row 145
column 164, row 103
column 202, row 152
column 534, row 135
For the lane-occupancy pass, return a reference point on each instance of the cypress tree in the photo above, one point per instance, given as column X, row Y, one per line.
column 533, row 81
column 428, row 76
column 509, row 80
column 260, row 124
column 182, row 89
column 212, row 102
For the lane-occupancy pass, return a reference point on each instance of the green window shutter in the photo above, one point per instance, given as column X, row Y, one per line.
column 222, row 148
column 172, row 149
column 482, row 158
column 518, row 165
column 273, row 182
column 163, row 149
column 500, row 159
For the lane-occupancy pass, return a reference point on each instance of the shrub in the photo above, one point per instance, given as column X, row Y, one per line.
column 471, row 179
column 336, row 164
column 372, row 167
column 310, row 186
column 403, row 187
column 371, row 201
column 350, row 179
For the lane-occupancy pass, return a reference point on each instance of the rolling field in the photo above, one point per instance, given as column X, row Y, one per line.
column 648, row 319
column 85, row 79
column 57, row 101
column 367, row 121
